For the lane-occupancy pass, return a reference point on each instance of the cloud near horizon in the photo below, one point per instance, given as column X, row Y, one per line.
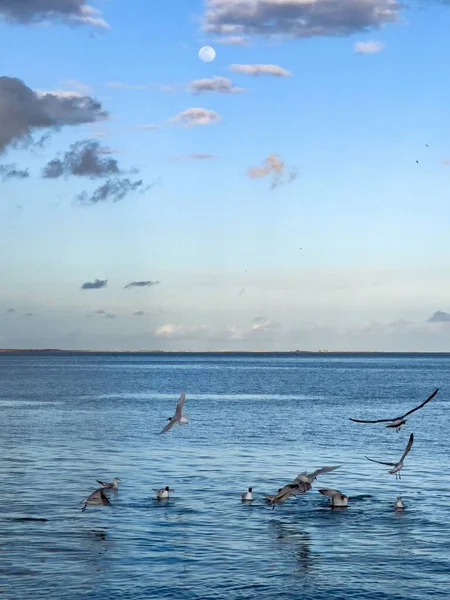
column 439, row 317
column 97, row 284
column 70, row 12
column 25, row 111
column 140, row 284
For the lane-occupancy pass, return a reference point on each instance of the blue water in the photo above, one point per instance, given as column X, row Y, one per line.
column 67, row 420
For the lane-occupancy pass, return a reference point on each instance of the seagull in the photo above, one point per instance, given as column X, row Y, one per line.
column 163, row 493
column 247, row 495
column 338, row 499
column 397, row 422
column 97, row 498
column 399, row 504
column 291, row 489
column 310, row 477
column 269, row 497
column 108, row 486
column 178, row 417
column 397, row 466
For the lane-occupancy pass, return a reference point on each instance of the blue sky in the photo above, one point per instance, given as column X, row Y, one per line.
column 351, row 254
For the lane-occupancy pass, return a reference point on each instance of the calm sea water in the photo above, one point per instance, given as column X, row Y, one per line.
column 67, row 420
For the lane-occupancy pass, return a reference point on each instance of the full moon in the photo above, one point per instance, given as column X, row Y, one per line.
column 207, row 54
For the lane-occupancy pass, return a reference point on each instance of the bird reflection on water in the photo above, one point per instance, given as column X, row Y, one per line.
column 299, row 542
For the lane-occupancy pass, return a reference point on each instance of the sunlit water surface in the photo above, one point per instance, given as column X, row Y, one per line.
column 68, row 420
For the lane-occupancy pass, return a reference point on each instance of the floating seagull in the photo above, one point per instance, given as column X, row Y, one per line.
column 397, row 422
column 163, row 493
column 108, row 486
column 338, row 499
column 397, row 466
column 310, row 477
column 178, row 417
column 247, row 495
column 97, row 498
column 399, row 504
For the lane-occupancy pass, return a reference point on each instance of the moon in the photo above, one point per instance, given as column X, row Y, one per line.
column 207, row 54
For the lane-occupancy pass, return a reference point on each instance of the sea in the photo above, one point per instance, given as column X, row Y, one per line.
column 255, row 420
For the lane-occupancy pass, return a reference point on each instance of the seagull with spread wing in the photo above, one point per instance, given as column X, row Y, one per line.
column 338, row 499
column 397, row 422
column 399, row 465
column 311, row 477
column 178, row 416
column 97, row 498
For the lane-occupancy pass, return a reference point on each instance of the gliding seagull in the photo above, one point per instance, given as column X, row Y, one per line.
column 397, row 422
column 397, row 466
column 97, row 498
column 310, row 477
column 178, row 417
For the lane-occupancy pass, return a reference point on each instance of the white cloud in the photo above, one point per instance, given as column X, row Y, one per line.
column 260, row 69
column 196, row 116
column 221, row 85
column 232, row 40
column 368, row 47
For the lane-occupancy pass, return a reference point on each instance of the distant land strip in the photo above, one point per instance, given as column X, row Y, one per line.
column 206, row 352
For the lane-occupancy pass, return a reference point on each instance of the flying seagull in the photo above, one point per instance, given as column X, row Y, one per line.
column 178, row 417
column 291, row 489
column 311, row 477
column 397, row 422
column 338, row 499
column 97, row 498
column 397, row 466
column 109, row 486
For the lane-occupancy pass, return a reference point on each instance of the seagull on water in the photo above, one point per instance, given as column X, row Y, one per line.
column 399, row 465
column 246, row 496
column 397, row 422
column 338, row 499
column 162, row 493
column 178, row 417
column 109, row 486
column 97, row 498
column 399, row 504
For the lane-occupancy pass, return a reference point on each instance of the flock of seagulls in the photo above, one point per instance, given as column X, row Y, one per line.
column 300, row 485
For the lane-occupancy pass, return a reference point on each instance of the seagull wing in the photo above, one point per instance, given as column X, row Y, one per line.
column 101, row 482
column 180, row 406
column 323, row 470
column 170, row 424
column 408, row 447
column 104, row 498
column 375, row 421
column 381, row 463
column 297, row 479
column 329, row 493
column 423, row 403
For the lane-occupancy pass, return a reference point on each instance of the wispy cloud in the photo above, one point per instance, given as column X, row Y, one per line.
column 112, row 190
column 139, row 313
column 232, row 40
column 194, row 157
column 258, row 69
column 72, row 12
column 222, row 85
column 77, row 86
column 297, row 18
column 276, row 168
column 196, row 116
column 97, row 284
column 12, row 172
column 368, row 47
column 149, row 127
column 140, row 284
column 439, row 317
column 120, row 85
column 110, row 316
column 25, row 111
column 11, row 310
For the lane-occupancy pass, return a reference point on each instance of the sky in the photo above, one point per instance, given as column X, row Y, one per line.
column 291, row 194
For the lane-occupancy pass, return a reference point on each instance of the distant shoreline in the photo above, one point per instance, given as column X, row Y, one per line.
column 205, row 352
